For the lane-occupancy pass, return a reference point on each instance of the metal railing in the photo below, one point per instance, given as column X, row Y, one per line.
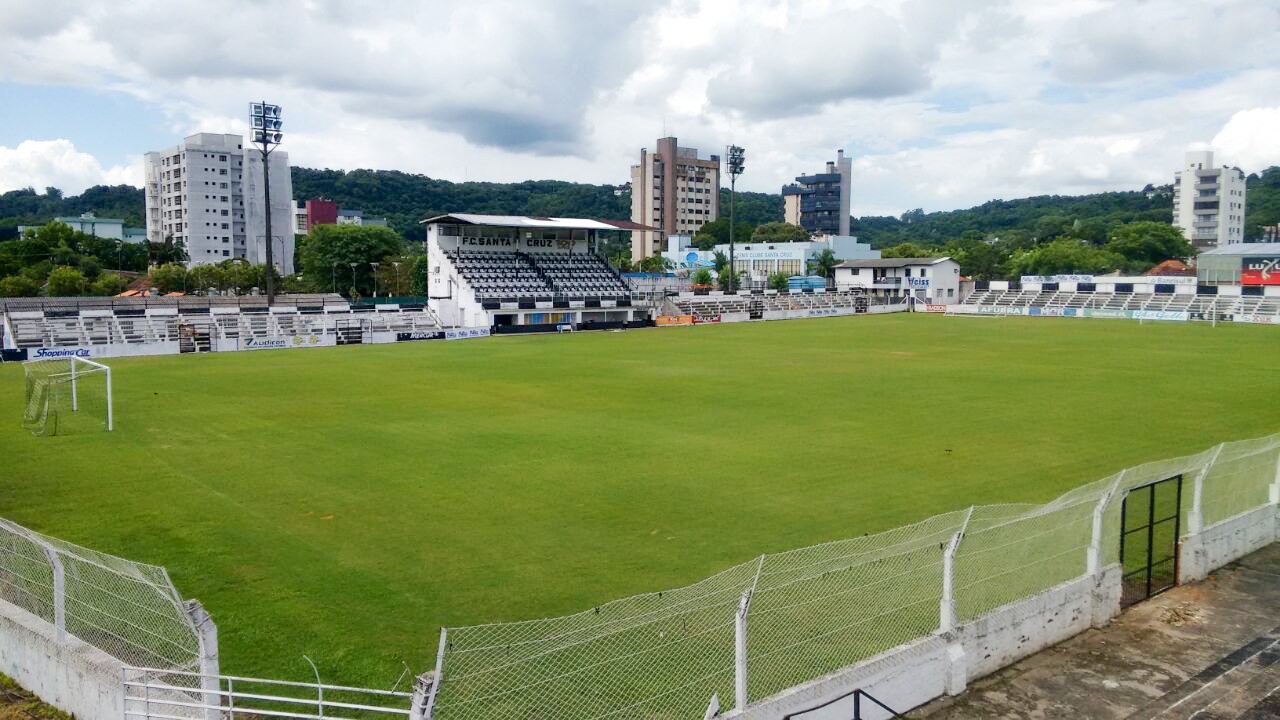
column 158, row 694
column 858, row 697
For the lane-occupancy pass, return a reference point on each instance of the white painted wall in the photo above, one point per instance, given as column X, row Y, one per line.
column 72, row 676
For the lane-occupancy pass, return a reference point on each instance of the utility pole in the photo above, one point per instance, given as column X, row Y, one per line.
column 265, row 120
column 736, row 155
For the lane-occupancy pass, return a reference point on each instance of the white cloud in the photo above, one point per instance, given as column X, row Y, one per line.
column 943, row 104
column 1250, row 139
column 57, row 163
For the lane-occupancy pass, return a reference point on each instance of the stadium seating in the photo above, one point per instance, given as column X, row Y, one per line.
column 538, row 275
column 60, row 324
column 709, row 307
column 1055, row 301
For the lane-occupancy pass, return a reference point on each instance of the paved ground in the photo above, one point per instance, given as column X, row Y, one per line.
column 1208, row 651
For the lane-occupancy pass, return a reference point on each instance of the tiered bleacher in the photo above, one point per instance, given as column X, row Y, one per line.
column 758, row 305
column 495, row 275
column 1112, row 303
column 124, row 326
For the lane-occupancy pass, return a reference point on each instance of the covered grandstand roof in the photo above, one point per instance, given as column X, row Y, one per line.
column 891, row 262
column 1245, row 249
column 531, row 221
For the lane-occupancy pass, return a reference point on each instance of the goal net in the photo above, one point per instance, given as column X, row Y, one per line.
column 67, row 395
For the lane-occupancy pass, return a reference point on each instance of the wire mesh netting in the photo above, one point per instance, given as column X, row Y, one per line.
column 64, row 396
column 818, row 609
column 129, row 610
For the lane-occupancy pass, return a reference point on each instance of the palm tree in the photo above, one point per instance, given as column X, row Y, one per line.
column 824, row 263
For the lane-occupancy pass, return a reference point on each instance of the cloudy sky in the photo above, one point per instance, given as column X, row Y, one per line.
column 942, row 103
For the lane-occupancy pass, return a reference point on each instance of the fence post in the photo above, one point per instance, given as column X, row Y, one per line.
column 740, row 653
column 1273, row 496
column 1094, row 553
column 439, row 675
column 421, row 690
column 207, row 638
column 1195, row 518
column 947, row 605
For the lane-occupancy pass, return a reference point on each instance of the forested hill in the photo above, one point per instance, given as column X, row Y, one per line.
column 405, row 198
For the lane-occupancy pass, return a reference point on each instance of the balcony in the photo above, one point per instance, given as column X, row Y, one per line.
column 1208, row 186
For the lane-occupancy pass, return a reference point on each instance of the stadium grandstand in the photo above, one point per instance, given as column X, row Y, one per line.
column 1140, row 298
column 775, row 305
column 112, row 327
column 527, row 274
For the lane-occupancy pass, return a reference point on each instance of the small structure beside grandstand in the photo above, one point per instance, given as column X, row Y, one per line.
column 933, row 280
column 526, row 274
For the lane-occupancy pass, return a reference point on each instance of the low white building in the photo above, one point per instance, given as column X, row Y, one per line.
column 934, row 280
column 757, row 261
column 90, row 224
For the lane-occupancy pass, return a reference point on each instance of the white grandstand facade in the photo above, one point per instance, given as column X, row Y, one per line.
column 521, row 273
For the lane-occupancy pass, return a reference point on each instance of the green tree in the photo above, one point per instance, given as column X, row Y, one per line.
column 1148, row 242
column 169, row 251
column 724, row 276
column 701, row 276
column 984, row 261
column 1065, row 256
column 108, row 284
column 716, row 232
column 719, row 261
column 170, row 277
column 342, row 245
column 66, row 282
column 778, row 281
column 655, row 264
column 905, row 250
column 203, row 278
column 779, row 232
column 824, row 263
column 18, row 286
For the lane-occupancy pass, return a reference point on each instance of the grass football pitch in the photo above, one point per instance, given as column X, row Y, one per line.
column 343, row 503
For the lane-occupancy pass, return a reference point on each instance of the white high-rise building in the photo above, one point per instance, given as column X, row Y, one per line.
column 1208, row 201
column 207, row 193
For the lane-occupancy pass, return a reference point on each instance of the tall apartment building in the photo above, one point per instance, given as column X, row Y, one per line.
column 207, row 192
column 674, row 190
column 820, row 203
column 1208, row 201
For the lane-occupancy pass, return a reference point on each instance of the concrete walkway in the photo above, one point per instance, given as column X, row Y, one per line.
column 1209, row 651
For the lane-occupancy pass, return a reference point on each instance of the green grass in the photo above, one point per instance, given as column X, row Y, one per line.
column 344, row 503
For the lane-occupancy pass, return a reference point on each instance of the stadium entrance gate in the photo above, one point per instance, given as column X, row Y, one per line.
column 349, row 332
column 1150, row 523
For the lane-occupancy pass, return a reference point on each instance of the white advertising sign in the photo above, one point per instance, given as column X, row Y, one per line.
column 286, row 341
column 465, row 333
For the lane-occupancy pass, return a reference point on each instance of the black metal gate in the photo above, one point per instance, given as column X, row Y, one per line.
column 1150, row 522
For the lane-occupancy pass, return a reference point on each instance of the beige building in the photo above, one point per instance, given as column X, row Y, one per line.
column 674, row 190
column 1208, row 202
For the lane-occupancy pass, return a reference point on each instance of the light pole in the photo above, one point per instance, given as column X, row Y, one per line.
column 374, row 265
column 265, row 121
column 353, row 277
column 736, row 156
column 397, row 267
column 333, row 273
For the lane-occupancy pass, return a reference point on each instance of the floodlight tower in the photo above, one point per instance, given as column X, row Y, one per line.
column 264, row 119
column 736, row 156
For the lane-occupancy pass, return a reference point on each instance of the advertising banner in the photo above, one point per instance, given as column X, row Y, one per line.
column 1159, row 315
column 1263, row 319
column 168, row 347
column 674, row 320
column 1260, row 270
column 466, row 333
column 1057, row 278
column 286, row 341
column 420, row 335
column 935, row 308
column 1098, row 313
column 1000, row 310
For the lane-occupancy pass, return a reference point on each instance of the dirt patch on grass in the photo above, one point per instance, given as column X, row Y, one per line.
column 18, row 704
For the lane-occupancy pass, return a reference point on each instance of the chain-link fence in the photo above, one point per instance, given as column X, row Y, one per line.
column 129, row 610
column 809, row 612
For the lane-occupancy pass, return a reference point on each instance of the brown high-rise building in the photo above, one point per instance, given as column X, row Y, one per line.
column 672, row 189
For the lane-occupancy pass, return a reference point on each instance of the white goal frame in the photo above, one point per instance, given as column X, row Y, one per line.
column 74, row 374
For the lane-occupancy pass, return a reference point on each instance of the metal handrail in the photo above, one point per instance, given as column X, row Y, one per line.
column 857, row 695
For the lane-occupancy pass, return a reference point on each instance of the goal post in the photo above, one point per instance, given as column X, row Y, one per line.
column 67, row 393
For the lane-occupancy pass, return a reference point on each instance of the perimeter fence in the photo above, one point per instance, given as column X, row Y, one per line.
column 783, row 619
column 127, row 609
